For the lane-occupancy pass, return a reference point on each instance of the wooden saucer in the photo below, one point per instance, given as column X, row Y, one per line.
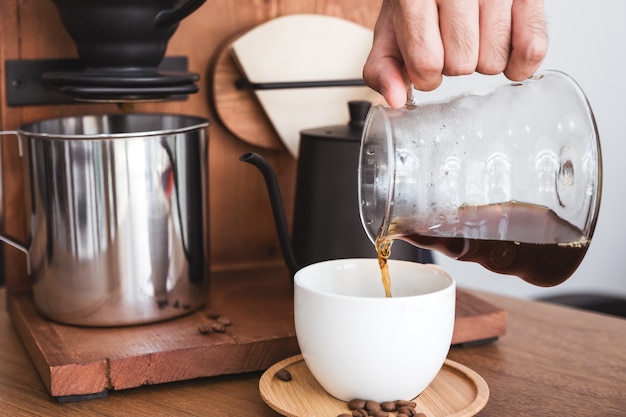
column 456, row 391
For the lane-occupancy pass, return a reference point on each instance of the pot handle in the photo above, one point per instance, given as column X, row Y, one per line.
column 171, row 17
column 3, row 237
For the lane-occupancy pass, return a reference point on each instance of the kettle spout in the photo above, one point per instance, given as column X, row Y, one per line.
column 277, row 208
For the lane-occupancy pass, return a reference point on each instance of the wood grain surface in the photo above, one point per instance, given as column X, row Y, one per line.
column 553, row 361
column 82, row 361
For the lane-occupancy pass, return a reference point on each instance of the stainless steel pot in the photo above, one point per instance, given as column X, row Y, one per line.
column 117, row 216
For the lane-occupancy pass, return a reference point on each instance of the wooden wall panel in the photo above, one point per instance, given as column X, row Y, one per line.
column 242, row 229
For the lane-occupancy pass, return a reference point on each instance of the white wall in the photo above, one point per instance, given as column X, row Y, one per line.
column 587, row 41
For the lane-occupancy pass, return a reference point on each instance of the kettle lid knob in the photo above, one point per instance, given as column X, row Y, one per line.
column 358, row 111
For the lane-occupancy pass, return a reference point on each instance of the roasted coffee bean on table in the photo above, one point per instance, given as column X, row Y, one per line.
column 388, row 406
column 283, row 374
column 370, row 408
column 218, row 324
column 404, row 403
column 218, row 327
column 407, row 410
column 356, row 403
column 359, row 412
column 224, row 321
column 204, row 329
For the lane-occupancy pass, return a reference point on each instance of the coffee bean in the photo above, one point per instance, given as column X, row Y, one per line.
column 407, row 410
column 345, row 415
column 204, row 329
column 372, row 406
column 388, row 406
column 283, row 374
column 356, row 403
column 218, row 327
column 224, row 321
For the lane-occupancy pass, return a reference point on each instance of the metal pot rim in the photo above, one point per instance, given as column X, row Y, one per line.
column 186, row 123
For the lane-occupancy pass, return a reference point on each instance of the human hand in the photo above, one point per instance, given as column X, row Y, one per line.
column 419, row 41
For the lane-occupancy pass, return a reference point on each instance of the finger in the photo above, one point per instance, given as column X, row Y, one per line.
column 384, row 74
column 529, row 39
column 417, row 30
column 383, row 70
column 459, row 24
column 495, row 36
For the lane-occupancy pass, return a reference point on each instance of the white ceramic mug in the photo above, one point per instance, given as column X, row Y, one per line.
column 360, row 344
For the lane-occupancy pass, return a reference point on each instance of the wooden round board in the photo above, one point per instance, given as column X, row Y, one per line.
column 457, row 391
column 319, row 48
column 238, row 109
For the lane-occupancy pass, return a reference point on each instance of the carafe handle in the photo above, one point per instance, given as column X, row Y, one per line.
column 171, row 17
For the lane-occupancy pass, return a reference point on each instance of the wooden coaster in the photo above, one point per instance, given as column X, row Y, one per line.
column 456, row 391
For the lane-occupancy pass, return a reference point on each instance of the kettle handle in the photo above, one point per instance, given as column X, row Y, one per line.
column 171, row 17
column 3, row 237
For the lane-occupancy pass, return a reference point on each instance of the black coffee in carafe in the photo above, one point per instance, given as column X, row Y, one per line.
column 558, row 247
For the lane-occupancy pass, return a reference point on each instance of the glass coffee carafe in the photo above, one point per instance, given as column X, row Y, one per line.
column 510, row 179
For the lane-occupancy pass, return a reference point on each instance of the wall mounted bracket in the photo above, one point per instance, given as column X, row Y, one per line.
column 24, row 85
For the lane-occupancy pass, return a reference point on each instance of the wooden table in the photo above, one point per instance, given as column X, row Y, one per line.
column 553, row 361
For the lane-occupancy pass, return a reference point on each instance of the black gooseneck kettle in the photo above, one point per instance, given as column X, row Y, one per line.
column 326, row 221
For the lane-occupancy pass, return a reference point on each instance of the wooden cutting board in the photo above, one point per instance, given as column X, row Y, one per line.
column 80, row 362
column 319, row 49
